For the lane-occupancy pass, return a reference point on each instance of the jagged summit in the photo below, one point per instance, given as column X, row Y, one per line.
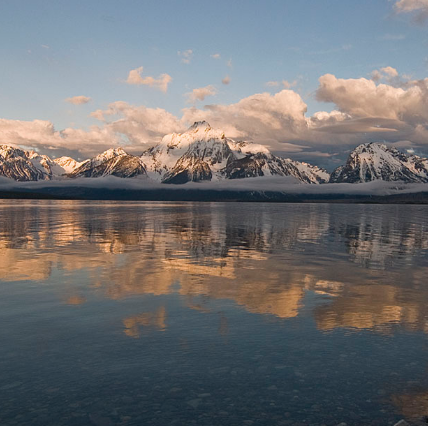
column 199, row 125
column 21, row 165
column 203, row 153
column 372, row 148
column 114, row 161
column 377, row 161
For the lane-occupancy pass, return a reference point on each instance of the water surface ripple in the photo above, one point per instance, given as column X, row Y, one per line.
column 212, row 314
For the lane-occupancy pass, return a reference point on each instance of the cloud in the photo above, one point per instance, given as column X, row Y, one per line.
column 134, row 128
column 323, row 118
column 160, row 83
column 226, row 80
column 78, row 100
column 386, row 112
column 201, row 93
column 285, row 83
column 356, row 125
column 229, row 63
column 17, row 132
column 419, row 9
column 285, row 184
column 364, row 110
column 216, row 56
column 364, row 98
column 41, row 134
column 139, row 124
column 186, row 56
column 265, row 118
column 289, row 85
column 389, row 71
column 384, row 73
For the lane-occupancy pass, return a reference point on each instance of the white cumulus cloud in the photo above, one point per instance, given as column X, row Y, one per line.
column 401, row 111
column 261, row 117
column 201, row 93
column 364, row 98
column 393, row 110
column 160, row 83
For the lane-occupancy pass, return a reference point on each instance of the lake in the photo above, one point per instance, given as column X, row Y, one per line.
column 117, row 313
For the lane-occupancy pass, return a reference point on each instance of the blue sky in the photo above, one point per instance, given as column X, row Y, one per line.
column 54, row 50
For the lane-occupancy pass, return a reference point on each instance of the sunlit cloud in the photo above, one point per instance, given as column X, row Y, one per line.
column 216, row 56
column 41, row 134
column 78, row 100
column 385, row 72
column 394, row 111
column 389, row 108
column 201, row 93
column 226, row 80
column 288, row 85
column 285, row 84
column 363, row 98
column 160, row 83
column 261, row 117
column 418, row 8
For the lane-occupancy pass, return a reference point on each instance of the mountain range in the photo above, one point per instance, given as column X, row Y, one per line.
column 206, row 154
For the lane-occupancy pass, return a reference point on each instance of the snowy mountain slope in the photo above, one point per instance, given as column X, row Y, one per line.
column 64, row 165
column 375, row 161
column 206, row 154
column 203, row 153
column 261, row 164
column 197, row 153
column 22, row 165
column 115, row 162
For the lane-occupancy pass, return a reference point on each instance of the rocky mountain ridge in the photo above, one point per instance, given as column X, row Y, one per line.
column 203, row 153
column 376, row 161
column 206, row 154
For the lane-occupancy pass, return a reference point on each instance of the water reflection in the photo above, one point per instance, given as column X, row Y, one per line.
column 367, row 269
column 161, row 314
column 413, row 405
column 155, row 319
column 377, row 307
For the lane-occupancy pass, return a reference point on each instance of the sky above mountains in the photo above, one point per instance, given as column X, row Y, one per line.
column 309, row 79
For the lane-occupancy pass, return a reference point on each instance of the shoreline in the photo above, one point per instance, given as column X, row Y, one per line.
column 208, row 195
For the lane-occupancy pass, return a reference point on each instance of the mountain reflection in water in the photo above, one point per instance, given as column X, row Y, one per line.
column 212, row 314
column 366, row 262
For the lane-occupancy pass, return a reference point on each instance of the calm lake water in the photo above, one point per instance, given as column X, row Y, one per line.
column 212, row 314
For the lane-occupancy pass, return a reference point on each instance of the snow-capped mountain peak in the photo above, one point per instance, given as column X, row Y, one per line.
column 199, row 125
column 377, row 161
column 205, row 153
column 115, row 161
column 65, row 165
column 106, row 155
